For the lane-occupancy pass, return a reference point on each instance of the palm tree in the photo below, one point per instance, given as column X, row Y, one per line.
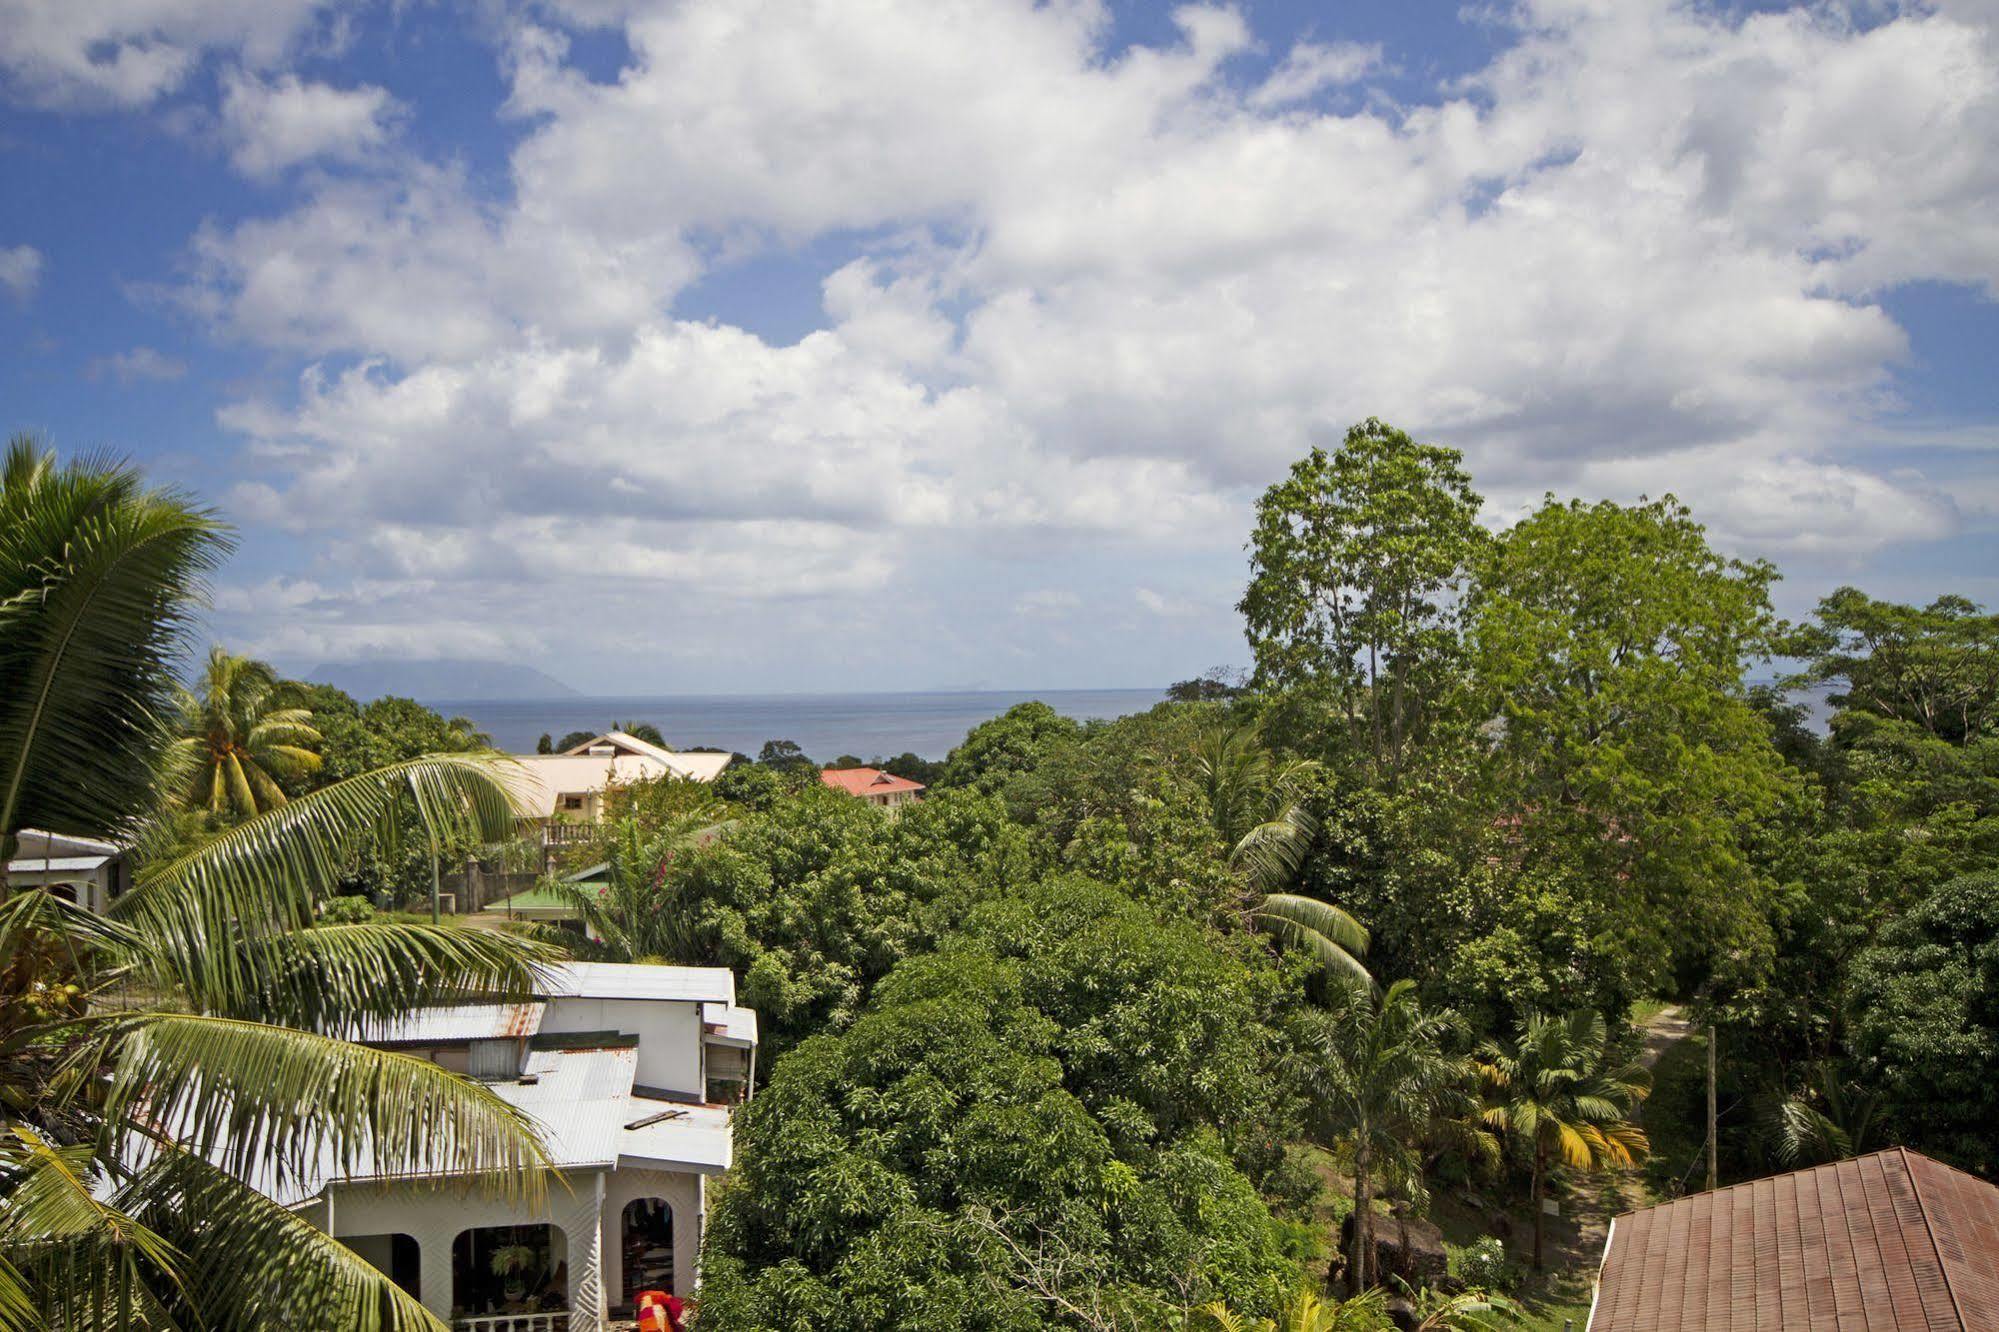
column 1256, row 804
column 1829, row 1119
column 239, row 741
column 154, row 1057
column 1381, row 1081
column 1556, row 1088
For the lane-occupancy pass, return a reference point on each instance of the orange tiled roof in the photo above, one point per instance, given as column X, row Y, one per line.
column 1892, row 1240
column 867, row 781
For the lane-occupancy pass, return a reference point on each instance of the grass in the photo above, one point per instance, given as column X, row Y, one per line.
column 1644, row 1010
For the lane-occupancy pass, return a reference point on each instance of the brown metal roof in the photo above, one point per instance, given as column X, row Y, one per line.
column 1888, row 1241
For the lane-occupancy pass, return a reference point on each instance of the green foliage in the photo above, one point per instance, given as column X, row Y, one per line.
column 1610, row 642
column 1560, row 1091
column 1381, row 1081
column 1483, row 1263
column 1925, row 1003
column 841, row 1217
column 815, row 899
column 98, row 575
column 1014, row 742
column 350, row 910
column 239, row 739
column 1356, row 562
column 226, row 982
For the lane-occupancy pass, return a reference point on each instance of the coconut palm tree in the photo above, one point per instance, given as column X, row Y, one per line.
column 1556, row 1088
column 1256, row 803
column 155, row 1058
column 626, row 914
column 1381, row 1081
column 239, row 741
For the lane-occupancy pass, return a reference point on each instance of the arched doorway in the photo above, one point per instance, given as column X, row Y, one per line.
column 398, row 1255
column 645, row 1235
column 509, row 1270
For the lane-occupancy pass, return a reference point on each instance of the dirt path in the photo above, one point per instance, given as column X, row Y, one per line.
column 1663, row 1030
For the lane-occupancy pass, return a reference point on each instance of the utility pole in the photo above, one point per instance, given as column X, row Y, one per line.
column 1710, row 1108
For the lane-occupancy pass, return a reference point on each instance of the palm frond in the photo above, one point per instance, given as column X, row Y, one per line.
column 266, row 875
column 99, row 577
column 284, row 1105
column 1272, row 853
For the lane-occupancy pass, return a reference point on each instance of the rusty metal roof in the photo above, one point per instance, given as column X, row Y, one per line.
column 444, row 1026
column 1893, row 1240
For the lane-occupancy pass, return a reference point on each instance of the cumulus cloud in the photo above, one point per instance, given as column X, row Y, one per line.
column 139, row 363
column 21, row 270
column 131, row 52
column 274, row 124
column 1092, row 298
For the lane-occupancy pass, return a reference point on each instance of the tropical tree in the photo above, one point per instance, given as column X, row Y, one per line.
column 1381, row 1080
column 626, row 913
column 1436, row 1311
column 1256, row 803
column 1358, row 560
column 155, row 1059
column 241, row 738
column 1557, row 1088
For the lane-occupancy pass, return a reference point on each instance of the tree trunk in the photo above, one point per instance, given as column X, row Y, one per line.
column 1363, row 1230
column 1540, row 1169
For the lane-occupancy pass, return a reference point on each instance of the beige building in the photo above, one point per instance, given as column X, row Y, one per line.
column 82, row 870
column 567, row 789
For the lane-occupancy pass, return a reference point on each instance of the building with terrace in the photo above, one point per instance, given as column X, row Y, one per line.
column 629, row 1072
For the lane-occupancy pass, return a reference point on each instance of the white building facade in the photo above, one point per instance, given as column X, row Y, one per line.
column 630, row 1073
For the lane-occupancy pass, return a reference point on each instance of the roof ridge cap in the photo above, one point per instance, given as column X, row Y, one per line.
column 1930, row 1229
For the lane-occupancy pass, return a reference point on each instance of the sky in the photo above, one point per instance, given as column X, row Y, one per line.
column 712, row 346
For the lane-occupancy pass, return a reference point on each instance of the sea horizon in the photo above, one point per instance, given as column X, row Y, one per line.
column 928, row 723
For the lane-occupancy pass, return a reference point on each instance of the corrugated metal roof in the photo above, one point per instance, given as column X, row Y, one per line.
column 57, row 864
column 737, row 1024
column 1893, row 1241
column 697, row 1136
column 461, row 1022
column 636, row 980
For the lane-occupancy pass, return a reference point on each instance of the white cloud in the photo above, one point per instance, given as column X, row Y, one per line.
column 139, row 363
column 1309, row 68
column 21, row 270
column 274, row 124
column 1093, row 301
column 130, row 52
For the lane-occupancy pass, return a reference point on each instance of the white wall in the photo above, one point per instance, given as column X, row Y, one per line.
column 669, row 1033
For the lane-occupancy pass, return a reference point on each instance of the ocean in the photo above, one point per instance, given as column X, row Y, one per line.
column 825, row 726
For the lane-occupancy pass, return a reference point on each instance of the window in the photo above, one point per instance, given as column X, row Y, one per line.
column 572, row 802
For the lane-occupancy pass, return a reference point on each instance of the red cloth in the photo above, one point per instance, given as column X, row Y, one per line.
column 659, row 1311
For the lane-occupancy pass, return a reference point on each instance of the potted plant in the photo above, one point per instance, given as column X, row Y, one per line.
column 511, row 1263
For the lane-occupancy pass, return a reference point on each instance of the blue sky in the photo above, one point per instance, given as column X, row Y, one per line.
column 720, row 345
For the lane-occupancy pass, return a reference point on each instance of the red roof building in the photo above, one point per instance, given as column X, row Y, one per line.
column 1892, row 1240
column 872, row 785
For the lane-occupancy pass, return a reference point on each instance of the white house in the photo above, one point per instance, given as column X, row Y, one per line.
column 83, row 870
column 630, row 1073
column 567, row 789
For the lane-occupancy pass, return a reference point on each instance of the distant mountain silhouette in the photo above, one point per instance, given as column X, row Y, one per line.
column 446, row 678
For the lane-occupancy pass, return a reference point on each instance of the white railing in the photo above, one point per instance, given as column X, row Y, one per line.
column 520, row 1322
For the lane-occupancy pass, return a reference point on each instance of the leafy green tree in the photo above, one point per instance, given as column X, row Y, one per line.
column 1925, row 1006
column 232, row 977
column 754, row 786
column 241, row 738
column 1935, row 668
column 841, row 1215
column 1014, row 742
column 1609, row 645
column 1560, row 1090
column 545, row 745
column 1380, row 1079
column 573, row 739
column 1357, row 562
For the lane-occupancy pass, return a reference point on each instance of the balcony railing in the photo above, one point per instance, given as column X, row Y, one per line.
column 520, row 1322
column 558, row 833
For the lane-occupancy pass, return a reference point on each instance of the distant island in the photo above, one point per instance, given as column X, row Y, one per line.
column 454, row 678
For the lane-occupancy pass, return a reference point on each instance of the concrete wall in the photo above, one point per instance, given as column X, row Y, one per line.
column 669, row 1035
column 586, row 1210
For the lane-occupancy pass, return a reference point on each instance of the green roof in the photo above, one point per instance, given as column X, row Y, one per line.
column 534, row 899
